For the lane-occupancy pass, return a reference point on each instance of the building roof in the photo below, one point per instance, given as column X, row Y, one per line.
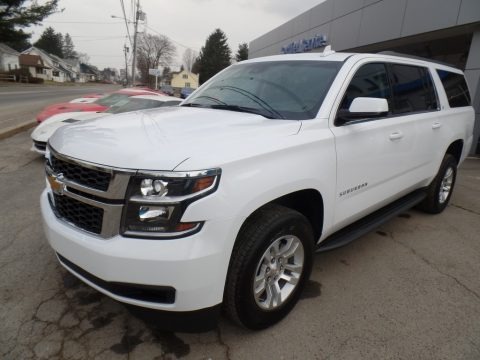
column 183, row 71
column 31, row 60
column 7, row 49
column 89, row 69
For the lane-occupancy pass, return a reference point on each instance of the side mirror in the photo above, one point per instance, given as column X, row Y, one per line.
column 362, row 108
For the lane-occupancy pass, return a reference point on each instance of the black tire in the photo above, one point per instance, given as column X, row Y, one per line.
column 433, row 203
column 268, row 226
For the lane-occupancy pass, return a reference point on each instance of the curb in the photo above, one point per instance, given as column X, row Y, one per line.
column 13, row 130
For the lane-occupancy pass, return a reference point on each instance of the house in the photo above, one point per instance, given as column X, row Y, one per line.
column 56, row 68
column 34, row 64
column 109, row 75
column 90, row 72
column 75, row 65
column 184, row 78
column 8, row 58
column 65, row 67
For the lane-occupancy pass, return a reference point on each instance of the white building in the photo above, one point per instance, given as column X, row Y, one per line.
column 444, row 30
column 8, row 58
column 57, row 69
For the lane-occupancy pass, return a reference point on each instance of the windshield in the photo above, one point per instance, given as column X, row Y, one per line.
column 274, row 89
column 133, row 104
column 111, row 99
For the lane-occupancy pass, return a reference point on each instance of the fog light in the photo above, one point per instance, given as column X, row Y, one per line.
column 153, row 213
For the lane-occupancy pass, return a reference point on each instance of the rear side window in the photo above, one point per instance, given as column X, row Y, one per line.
column 370, row 80
column 456, row 88
column 413, row 89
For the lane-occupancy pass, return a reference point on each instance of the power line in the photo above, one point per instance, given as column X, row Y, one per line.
column 105, row 55
column 100, row 39
column 94, row 36
column 83, row 22
column 176, row 42
column 126, row 21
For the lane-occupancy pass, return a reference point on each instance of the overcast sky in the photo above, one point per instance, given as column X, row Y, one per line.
column 186, row 22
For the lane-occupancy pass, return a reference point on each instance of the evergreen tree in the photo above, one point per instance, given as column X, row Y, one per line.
column 14, row 15
column 166, row 75
column 214, row 56
column 68, row 48
column 51, row 42
column 196, row 66
column 242, row 52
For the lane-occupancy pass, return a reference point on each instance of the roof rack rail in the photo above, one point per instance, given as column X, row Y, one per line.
column 394, row 53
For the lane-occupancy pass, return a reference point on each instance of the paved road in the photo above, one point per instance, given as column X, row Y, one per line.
column 410, row 290
column 19, row 103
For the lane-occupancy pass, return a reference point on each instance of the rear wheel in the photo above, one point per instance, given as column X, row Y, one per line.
column 271, row 261
column 441, row 188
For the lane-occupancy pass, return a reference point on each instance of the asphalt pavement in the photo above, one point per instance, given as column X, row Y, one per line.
column 19, row 103
column 409, row 290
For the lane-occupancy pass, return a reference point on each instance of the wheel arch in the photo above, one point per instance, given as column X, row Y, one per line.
column 455, row 149
column 308, row 202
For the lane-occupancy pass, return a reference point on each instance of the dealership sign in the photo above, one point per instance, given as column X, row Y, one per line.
column 305, row 45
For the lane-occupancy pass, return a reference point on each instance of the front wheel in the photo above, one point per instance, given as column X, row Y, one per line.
column 441, row 188
column 271, row 261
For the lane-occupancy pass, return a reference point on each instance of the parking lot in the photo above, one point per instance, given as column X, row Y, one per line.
column 410, row 290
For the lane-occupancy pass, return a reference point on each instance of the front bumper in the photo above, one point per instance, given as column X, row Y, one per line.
column 39, row 147
column 195, row 266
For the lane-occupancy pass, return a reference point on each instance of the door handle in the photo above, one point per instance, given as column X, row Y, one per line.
column 436, row 125
column 397, row 135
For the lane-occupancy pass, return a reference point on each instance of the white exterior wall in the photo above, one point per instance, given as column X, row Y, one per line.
column 9, row 59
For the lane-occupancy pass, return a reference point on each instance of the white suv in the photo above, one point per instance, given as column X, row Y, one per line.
column 225, row 199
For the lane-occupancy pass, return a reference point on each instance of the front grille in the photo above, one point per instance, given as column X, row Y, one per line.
column 82, row 215
column 150, row 293
column 91, row 178
column 40, row 145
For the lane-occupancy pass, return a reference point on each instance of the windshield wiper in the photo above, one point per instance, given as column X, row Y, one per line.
column 267, row 114
column 204, row 105
column 254, row 98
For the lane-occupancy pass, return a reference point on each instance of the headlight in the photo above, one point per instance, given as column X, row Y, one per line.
column 156, row 202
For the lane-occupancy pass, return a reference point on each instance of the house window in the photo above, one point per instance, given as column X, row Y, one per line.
column 55, row 73
column 185, row 76
column 187, row 84
column 9, row 67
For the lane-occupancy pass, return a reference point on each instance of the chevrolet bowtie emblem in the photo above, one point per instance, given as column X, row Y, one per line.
column 57, row 186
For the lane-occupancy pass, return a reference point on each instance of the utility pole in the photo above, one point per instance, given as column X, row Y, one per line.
column 125, row 50
column 137, row 16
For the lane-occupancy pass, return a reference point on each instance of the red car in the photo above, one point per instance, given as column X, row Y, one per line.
column 101, row 104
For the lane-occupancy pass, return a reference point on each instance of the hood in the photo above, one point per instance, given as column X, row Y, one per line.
column 46, row 128
column 160, row 139
column 68, row 107
column 84, row 100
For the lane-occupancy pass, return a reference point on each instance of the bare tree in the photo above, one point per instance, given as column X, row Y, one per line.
column 153, row 51
column 189, row 58
column 83, row 57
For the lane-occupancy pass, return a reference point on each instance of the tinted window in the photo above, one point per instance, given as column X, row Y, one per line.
column 276, row 89
column 456, row 88
column 370, row 81
column 412, row 89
